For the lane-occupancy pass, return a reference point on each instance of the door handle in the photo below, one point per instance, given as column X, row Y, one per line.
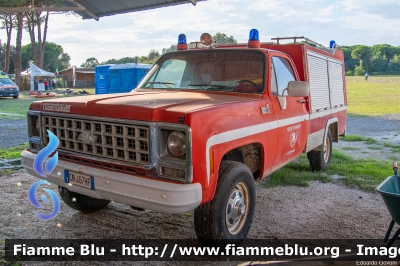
column 301, row 101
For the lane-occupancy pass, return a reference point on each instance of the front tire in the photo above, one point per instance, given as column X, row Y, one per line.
column 320, row 160
column 228, row 216
column 81, row 202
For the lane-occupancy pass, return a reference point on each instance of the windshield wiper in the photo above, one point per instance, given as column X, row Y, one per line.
column 198, row 85
column 208, row 85
column 163, row 83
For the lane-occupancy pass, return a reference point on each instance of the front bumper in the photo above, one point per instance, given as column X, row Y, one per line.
column 125, row 188
column 9, row 93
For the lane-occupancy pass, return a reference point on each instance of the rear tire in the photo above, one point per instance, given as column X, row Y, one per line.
column 228, row 216
column 81, row 202
column 320, row 160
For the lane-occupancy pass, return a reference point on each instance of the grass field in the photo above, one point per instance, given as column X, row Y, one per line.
column 380, row 95
column 358, row 138
column 363, row 173
column 13, row 152
column 366, row 173
column 16, row 108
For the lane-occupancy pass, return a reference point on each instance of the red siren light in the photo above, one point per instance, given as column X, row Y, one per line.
column 182, row 45
column 254, row 40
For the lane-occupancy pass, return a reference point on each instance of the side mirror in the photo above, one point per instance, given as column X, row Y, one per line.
column 298, row 88
column 294, row 89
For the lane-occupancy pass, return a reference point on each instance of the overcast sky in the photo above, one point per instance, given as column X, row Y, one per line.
column 349, row 22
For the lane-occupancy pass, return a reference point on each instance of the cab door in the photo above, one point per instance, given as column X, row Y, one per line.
column 291, row 112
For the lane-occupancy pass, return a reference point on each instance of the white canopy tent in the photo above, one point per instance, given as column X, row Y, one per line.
column 34, row 71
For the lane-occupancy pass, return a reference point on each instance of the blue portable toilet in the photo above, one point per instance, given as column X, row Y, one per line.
column 125, row 77
column 102, row 85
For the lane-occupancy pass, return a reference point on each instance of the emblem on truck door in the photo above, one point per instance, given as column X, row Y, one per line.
column 265, row 110
column 294, row 134
column 293, row 138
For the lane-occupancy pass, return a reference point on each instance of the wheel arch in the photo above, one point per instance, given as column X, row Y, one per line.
column 333, row 125
column 250, row 154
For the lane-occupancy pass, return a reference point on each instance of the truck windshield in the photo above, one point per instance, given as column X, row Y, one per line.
column 219, row 70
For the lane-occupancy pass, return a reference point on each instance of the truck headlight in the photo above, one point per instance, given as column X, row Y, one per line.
column 177, row 143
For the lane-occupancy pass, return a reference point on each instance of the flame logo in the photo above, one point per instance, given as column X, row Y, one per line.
column 43, row 154
column 38, row 167
column 35, row 202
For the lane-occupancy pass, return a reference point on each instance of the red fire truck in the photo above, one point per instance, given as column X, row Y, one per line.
column 202, row 126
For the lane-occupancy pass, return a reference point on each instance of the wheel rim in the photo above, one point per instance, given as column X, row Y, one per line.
column 327, row 149
column 237, row 208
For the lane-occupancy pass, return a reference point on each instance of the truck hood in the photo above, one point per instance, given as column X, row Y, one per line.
column 145, row 105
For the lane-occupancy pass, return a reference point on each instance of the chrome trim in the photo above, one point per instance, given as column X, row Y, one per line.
column 33, row 112
column 106, row 139
column 29, row 114
column 100, row 118
column 34, row 139
column 103, row 160
column 171, row 161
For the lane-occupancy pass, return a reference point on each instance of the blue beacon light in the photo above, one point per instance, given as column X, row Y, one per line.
column 182, row 39
column 332, row 45
column 182, row 45
column 254, row 35
column 254, row 40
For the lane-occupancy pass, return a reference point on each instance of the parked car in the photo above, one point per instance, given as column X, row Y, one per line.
column 8, row 87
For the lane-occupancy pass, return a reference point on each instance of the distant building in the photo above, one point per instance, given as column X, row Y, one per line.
column 84, row 77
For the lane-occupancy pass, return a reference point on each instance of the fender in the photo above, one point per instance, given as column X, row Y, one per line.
column 330, row 121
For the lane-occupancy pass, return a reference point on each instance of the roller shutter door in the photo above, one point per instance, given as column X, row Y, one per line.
column 336, row 83
column 318, row 77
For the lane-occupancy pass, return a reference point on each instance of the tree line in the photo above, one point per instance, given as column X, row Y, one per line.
column 151, row 58
column 379, row 59
column 36, row 24
column 53, row 59
column 153, row 55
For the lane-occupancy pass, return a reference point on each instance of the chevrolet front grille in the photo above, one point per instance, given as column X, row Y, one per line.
column 124, row 142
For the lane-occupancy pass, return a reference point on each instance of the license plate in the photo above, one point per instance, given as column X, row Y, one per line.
column 80, row 180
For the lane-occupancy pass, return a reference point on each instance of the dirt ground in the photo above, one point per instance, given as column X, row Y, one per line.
column 321, row 210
